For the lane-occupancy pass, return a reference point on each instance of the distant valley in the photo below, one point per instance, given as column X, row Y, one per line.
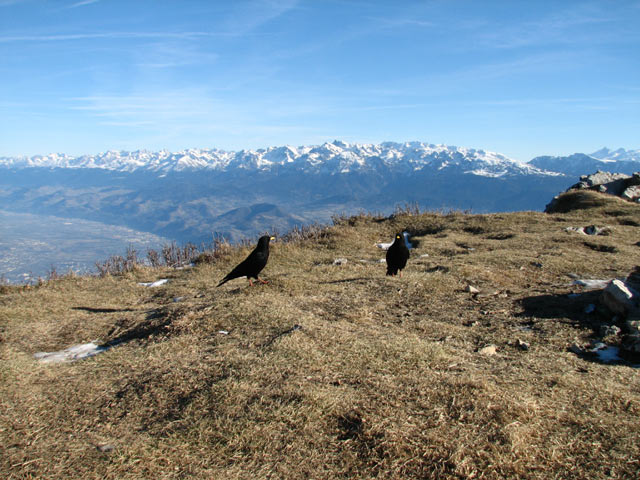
column 32, row 245
column 194, row 195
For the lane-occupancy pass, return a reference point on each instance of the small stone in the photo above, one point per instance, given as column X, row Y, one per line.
column 340, row 261
column 488, row 350
column 609, row 330
column 106, row 448
column 522, row 345
column 471, row 289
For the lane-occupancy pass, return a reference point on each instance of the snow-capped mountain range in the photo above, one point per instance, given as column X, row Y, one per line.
column 329, row 158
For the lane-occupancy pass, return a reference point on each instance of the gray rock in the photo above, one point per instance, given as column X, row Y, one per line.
column 631, row 193
column 613, row 183
column 620, row 184
column 609, row 330
column 619, row 298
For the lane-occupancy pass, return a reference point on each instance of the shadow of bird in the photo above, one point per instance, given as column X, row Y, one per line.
column 251, row 266
column 397, row 255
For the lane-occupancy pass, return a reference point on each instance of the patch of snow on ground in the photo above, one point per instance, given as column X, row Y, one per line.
column 71, row 354
column 157, row 283
column 608, row 354
column 592, row 284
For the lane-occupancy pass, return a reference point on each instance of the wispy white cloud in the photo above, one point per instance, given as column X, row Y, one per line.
column 108, row 35
column 401, row 22
column 82, row 3
column 171, row 54
column 249, row 16
column 566, row 27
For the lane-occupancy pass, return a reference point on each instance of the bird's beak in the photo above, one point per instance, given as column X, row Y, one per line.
column 272, row 238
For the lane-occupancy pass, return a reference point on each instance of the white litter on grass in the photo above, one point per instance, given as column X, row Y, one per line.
column 223, row 332
column 157, row 283
column 71, row 354
column 592, row 284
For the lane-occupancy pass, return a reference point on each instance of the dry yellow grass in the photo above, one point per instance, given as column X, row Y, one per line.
column 382, row 380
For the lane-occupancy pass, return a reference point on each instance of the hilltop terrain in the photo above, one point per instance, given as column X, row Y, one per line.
column 461, row 368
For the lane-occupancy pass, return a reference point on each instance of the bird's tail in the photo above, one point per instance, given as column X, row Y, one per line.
column 224, row 280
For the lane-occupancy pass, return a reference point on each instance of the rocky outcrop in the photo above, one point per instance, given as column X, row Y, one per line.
column 621, row 185
column 622, row 299
column 618, row 184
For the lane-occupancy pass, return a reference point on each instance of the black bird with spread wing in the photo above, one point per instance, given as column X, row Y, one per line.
column 251, row 266
column 397, row 255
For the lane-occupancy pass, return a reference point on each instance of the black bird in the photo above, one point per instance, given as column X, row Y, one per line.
column 397, row 255
column 251, row 266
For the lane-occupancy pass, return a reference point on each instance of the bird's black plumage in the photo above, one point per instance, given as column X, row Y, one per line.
column 251, row 266
column 397, row 255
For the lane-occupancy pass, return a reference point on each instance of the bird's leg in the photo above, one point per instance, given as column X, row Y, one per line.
column 250, row 283
column 262, row 281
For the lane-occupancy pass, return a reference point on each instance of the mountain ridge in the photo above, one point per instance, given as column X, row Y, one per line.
column 334, row 158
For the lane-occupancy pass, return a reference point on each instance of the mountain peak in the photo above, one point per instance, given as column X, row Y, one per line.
column 620, row 154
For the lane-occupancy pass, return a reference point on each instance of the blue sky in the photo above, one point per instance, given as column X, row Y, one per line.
column 523, row 78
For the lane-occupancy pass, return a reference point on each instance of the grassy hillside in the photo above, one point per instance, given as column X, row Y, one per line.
column 385, row 378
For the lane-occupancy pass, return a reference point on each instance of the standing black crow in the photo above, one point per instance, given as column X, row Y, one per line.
column 251, row 266
column 397, row 255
